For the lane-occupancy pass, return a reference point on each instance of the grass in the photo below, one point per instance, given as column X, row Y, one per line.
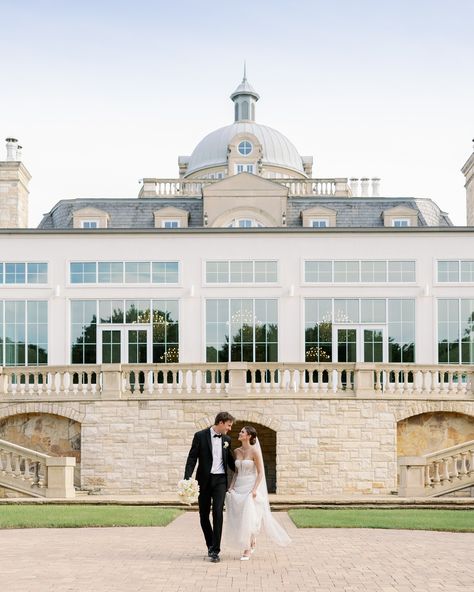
column 449, row 520
column 80, row 516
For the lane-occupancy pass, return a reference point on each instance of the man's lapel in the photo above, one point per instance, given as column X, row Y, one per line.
column 209, row 441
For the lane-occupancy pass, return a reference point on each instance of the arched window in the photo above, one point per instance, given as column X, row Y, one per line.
column 245, row 223
column 245, row 110
column 236, row 111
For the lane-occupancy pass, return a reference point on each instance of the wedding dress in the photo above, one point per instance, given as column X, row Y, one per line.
column 246, row 516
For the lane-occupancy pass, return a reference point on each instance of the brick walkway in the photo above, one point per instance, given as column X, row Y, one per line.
column 171, row 559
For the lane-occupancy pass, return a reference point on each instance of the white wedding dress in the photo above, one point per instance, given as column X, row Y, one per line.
column 246, row 516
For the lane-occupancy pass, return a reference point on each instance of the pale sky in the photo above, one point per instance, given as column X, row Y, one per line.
column 103, row 93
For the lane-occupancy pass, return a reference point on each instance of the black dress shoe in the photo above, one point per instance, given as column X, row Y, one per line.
column 215, row 558
column 210, row 553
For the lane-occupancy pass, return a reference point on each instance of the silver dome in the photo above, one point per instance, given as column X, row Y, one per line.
column 277, row 149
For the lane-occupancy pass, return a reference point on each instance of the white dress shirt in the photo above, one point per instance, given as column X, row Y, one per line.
column 217, row 461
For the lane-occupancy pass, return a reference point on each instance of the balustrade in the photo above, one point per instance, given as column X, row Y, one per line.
column 23, row 468
column 338, row 187
column 331, row 379
column 438, row 472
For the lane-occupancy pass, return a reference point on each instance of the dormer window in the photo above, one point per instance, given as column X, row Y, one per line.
column 319, row 222
column 170, row 224
column 245, row 148
column 89, row 224
column 401, row 222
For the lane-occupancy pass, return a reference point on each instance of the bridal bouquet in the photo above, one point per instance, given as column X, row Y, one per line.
column 188, row 491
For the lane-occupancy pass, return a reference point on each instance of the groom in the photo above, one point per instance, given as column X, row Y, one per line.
column 211, row 450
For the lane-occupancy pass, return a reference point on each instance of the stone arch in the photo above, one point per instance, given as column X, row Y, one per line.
column 49, row 428
column 434, row 427
column 49, row 408
column 249, row 417
column 261, row 216
column 420, row 407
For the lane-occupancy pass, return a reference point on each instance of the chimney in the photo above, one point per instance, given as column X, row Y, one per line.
column 364, row 187
column 354, row 185
column 375, row 187
column 12, row 147
column 468, row 172
column 14, row 179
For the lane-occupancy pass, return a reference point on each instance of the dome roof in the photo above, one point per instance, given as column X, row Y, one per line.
column 277, row 149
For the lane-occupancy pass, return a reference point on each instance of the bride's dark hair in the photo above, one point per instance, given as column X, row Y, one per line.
column 252, row 432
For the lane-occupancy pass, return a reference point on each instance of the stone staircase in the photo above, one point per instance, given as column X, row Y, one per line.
column 35, row 474
column 438, row 473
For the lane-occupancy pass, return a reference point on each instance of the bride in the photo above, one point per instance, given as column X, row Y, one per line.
column 247, row 506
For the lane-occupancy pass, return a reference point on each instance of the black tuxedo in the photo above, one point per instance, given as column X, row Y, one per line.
column 212, row 488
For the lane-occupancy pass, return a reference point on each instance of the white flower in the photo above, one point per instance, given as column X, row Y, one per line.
column 226, row 444
column 188, row 491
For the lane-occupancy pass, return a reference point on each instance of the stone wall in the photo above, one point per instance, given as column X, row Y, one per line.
column 324, row 447
column 430, row 432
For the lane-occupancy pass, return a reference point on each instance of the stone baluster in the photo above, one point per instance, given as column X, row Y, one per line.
column 17, row 465
column 455, row 473
column 464, row 464
column 436, row 475
column 427, row 476
column 378, row 382
column 26, row 468
column 445, row 476
column 471, row 462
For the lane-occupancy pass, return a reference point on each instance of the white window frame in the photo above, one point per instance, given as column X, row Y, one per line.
column 88, row 224
column 319, row 223
column 174, row 223
column 401, row 222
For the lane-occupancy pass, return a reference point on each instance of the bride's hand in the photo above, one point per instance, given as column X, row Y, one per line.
column 254, row 493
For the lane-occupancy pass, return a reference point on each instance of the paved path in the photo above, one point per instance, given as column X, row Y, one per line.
column 171, row 559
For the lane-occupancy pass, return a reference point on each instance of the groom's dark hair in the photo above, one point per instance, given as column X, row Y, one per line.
column 223, row 416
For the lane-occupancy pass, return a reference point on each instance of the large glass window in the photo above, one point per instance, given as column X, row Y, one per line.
column 241, row 272
column 373, row 271
column 401, row 271
column 241, row 330
column 23, row 273
column 156, row 328
column 110, row 272
column 346, row 271
column 456, row 271
column 119, row 272
column 83, row 272
column 318, row 271
column 15, row 273
column 318, row 330
column 83, row 331
column 164, row 272
column 456, row 331
column 401, row 330
column 23, row 332
column 394, row 320
column 137, row 272
column 365, row 271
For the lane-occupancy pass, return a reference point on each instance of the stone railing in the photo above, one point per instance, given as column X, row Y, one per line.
column 437, row 473
column 336, row 187
column 407, row 380
column 238, row 378
column 34, row 473
column 50, row 381
column 267, row 379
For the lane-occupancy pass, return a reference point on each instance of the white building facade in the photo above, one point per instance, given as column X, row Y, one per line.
column 338, row 321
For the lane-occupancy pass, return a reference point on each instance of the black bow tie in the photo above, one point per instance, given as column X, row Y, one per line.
column 217, row 435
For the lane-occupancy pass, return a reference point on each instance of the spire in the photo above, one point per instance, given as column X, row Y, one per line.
column 245, row 97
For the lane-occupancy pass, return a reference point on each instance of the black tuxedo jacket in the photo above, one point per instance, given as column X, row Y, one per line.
column 201, row 453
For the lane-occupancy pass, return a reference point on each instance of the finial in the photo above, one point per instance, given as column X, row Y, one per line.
column 244, row 79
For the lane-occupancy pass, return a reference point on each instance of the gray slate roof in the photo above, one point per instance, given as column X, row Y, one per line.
column 138, row 212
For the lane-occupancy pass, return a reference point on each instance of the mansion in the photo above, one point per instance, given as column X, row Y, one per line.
column 336, row 320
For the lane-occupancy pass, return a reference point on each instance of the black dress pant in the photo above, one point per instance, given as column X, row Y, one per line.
column 212, row 493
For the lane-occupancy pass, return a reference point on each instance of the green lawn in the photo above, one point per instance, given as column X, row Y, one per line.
column 451, row 520
column 59, row 516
